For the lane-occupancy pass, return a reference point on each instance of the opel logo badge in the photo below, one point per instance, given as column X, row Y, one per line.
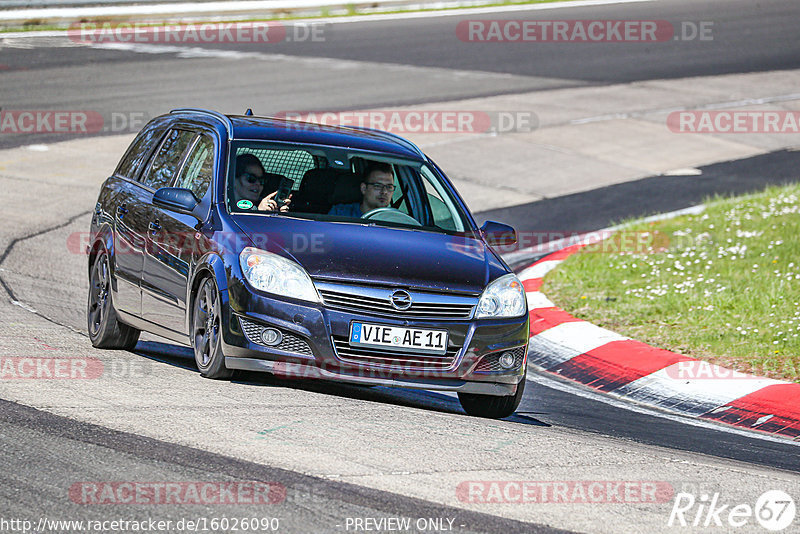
column 401, row 300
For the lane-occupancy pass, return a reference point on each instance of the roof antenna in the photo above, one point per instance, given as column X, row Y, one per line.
column 249, row 112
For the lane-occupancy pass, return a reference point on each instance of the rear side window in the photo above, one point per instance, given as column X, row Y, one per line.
column 165, row 162
column 290, row 163
column 199, row 169
column 138, row 151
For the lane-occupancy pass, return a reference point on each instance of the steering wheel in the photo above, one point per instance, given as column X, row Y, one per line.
column 391, row 215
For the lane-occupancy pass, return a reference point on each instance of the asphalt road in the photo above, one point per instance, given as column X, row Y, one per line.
column 296, row 503
column 606, row 206
column 408, row 61
column 745, row 36
column 412, row 61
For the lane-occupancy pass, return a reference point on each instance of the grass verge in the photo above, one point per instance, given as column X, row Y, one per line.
column 722, row 286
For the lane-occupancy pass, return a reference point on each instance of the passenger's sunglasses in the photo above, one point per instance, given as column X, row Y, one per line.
column 250, row 178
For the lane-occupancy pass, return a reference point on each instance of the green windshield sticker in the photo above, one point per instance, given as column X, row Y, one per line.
column 244, row 204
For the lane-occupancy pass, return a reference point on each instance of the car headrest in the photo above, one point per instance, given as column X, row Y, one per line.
column 348, row 189
column 319, row 182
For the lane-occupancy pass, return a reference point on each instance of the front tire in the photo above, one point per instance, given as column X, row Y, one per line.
column 207, row 331
column 490, row 406
column 105, row 329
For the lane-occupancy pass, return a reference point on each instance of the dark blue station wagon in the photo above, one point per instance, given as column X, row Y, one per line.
column 305, row 250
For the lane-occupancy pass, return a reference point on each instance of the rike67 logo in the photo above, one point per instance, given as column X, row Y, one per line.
column 774, row 510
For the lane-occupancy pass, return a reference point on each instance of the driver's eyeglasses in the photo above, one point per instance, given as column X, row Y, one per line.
column 249, row 178
column 382, row 187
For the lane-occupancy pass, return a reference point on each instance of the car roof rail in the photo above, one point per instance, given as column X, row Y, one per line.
column 402, row 140
column 216, row 114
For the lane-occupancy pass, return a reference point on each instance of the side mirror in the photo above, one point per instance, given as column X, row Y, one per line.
column 175, row 199
column 497, row 233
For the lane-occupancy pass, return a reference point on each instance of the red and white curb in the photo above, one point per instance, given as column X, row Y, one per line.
column 608, row 362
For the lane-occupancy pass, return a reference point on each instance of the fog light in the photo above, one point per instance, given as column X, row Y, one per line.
column 271, row 337
column 507, row 360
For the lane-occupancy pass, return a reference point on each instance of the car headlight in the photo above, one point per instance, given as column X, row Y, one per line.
column 275, row 274
column 505, row 297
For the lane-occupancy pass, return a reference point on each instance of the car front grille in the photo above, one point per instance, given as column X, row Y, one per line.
column 491, row 362
column 289, row 343
column 387, row 359
column 378, row 301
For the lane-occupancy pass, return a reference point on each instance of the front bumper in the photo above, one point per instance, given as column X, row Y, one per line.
column 473, row 344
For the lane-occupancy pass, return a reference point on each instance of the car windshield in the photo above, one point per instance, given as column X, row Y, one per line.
column 340, row 185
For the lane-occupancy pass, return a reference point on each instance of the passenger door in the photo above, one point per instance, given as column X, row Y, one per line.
column 128, row 214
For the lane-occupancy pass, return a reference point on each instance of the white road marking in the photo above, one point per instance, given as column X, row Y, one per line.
column 310, row 61
column 536, row 299
column 546, row 354
column 558, row 244
column 30, row 41
column 692, row 210
column 538, row 270
column 574, row 388
column 580, row 336
column 690, row 396
column 714, row 105
column 686, row 171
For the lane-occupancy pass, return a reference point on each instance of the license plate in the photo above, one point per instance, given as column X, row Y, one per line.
column 398, row 338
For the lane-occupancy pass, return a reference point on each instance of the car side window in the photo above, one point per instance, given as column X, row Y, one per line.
column 199, row 169
column 137, row 153
column 165, row 162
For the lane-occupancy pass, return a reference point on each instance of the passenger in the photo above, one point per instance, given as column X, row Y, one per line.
column 377, row 187
column 249, row 186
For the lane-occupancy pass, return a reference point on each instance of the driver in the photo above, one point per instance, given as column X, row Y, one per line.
column 377, row 187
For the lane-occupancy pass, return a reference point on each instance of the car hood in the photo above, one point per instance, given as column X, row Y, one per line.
column 347, row 252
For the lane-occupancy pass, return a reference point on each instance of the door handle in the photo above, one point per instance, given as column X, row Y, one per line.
column 154, row 227
column 121, row 210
